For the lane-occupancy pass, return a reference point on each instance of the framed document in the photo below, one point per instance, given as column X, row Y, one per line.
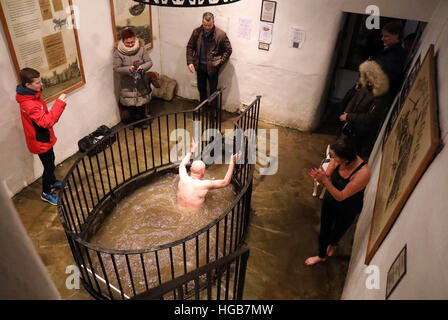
column 268, row 11
column 263, row 46
column 131, row 14
column 42, row 35
column 396, row 272
column 411, row 145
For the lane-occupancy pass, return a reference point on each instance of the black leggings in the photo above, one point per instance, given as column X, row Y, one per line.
column 48, row 178
column 136, row 113
column 335, row 219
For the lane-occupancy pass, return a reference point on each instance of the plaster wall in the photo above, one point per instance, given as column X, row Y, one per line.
column 423, row 222
column 87, row 108
column 292, row 82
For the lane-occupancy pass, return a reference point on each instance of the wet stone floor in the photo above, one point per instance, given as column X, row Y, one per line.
column 283, row 229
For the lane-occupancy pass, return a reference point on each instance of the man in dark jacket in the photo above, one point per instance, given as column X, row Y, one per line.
column 38, row 127
column 393, row 57
column 207, row 50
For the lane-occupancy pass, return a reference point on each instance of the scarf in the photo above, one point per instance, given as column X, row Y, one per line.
column 128, row 51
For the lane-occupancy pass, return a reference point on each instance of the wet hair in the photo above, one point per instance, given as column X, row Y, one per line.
column 127, row 33
column 394, row 27
column 27, row 75
column 207, row 16
column 344, row 149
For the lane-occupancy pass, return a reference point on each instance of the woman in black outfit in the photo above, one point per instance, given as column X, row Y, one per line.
column 345, row 179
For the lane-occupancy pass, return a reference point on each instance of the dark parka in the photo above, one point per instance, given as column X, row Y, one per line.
column 218, row 47
column 368, row 107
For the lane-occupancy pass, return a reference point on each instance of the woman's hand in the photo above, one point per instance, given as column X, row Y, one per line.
column 132, row 69
column 343, row 117
column 319, row 175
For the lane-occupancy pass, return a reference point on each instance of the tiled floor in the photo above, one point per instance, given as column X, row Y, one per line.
column 283, row 228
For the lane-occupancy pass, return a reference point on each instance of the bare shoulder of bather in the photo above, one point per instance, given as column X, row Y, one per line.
column 192, row 189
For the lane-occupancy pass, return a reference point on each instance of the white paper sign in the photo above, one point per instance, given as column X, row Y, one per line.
column 265, row 32
column 244, row 28
column 296, row 37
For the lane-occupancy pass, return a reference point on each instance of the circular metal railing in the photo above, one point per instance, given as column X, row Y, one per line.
column 129, row 158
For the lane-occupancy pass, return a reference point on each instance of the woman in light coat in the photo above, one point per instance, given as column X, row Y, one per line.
column 131, row 62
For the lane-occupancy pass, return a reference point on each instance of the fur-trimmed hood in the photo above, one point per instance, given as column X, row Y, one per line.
column 372, row 70
column 141, row 42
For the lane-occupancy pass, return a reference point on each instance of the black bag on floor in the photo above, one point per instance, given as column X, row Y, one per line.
column 95, row 138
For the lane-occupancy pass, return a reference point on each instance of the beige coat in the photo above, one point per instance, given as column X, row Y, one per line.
column 133, row 92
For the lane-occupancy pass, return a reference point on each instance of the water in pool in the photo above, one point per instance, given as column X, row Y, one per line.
column 148, row 218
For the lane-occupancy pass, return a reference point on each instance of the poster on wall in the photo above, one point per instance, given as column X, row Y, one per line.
column 244, row 28
column 130, row 14
column 265, row 35
column 296, row 37
column 411, row 144
column 42, row 35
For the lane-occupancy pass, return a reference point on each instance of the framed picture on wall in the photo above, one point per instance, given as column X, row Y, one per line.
column 130, row 14
column 263, row 46
column 407, row 83
column 412, row 143
column 396, row 271
column 268, row 9
column 43, row 35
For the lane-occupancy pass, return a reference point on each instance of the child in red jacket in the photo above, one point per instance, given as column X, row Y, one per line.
column 38, row 126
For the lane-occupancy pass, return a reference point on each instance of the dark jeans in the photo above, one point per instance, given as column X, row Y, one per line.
column 202, row 82
column 334, row 222
column 203, row 77
column 48, row 178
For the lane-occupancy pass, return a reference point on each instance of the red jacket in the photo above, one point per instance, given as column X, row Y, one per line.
column 37, row 120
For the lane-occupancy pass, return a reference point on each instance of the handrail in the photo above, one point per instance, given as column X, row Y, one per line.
column 157, row 292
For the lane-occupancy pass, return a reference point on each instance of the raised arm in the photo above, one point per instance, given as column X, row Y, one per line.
column 216, row 184
column 358, row 182
column 186, row 159
column 42, row 119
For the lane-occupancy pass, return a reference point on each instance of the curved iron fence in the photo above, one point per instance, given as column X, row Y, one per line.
column 97, row 183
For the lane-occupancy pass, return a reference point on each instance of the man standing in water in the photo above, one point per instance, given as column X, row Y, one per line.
column 192, row 190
